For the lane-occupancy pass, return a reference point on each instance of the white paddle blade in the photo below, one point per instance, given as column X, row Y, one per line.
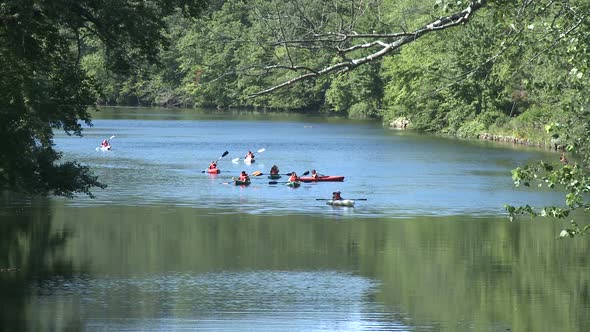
column 110, row 138
column 261, row 150
column 235, row 160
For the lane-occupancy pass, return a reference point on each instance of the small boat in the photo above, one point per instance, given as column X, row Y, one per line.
column 293, row 184
column 341, row 202
column 249, row 160
column 323, row 178
column 274, row 176
column 213, row 170
column 240, row 183
column 104, row 148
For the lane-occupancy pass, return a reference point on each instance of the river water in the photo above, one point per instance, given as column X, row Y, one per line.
column 168, row 247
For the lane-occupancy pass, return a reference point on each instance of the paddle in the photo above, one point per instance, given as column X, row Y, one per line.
column 277, row 182
column 222, row 155
column 235, row 160
column 110, row 138
column 329, row 199
column 255, row 173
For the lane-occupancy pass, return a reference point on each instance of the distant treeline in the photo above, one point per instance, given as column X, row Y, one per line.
column 511, row 70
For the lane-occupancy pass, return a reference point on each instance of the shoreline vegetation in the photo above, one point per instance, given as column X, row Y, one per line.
column 552, row 144
column 401, row 123
column 492, row 79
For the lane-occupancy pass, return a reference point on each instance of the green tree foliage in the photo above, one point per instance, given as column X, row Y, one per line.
column 358, row 93
column 44, row 87
column 240, row 48
column 457, row 67
column 557, row 93
column 572, row 177
column 516, row 69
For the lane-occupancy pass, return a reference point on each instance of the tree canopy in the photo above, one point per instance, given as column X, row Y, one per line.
column 44, row 87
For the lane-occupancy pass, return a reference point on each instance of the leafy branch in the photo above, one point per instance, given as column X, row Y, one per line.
column 572, row 179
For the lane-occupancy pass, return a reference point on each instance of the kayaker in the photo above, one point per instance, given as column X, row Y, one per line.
column 293, row 177
column 105, row 143
column 249, row 155
column 336, row 196
column 213, row 165
column 314, row 174
column 274, row 170
column 244, row 177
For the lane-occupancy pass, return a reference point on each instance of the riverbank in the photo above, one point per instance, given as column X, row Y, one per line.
column 404, row 124
column 523, row 141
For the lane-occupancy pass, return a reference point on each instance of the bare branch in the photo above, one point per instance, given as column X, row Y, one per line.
column 442, row 23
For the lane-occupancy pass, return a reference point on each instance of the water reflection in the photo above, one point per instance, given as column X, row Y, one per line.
column 31, row 249
column 166, row 247
column 169, row 267
column 268, row 300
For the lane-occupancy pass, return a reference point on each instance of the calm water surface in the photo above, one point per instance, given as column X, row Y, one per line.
column 167, row 247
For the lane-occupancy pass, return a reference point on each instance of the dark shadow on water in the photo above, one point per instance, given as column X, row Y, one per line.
column 29, row 254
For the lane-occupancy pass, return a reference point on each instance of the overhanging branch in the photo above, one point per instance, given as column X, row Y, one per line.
column 385, row 48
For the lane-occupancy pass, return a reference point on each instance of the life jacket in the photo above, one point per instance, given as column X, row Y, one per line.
column 293, row 178
column 212, row 166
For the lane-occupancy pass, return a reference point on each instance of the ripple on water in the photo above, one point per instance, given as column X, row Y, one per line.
column 252, row 300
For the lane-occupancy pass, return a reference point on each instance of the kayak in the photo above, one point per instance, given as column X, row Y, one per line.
column 324, row 178
column 249, row 160
column 241, row 183
column 341, row 202
column 213, row 170
column 293, row 184
column 105, row 148
column 274, row 176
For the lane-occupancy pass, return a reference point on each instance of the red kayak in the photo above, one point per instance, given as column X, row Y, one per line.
column 213, row 170
column 324, row 178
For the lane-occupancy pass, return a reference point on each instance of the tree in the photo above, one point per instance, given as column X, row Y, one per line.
column 508, row 62
column 571, row 177
column 333, row 31
column 562, row 81
column 43, row 86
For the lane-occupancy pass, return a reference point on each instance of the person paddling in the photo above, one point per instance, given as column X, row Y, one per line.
column 244, row 177
column 274, row 170
column 336, row 196
column 213, row 165
column 293, row 177
column 249, row 155
column 105, row 143
column 314, row 174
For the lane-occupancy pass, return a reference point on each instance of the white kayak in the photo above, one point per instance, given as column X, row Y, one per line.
column 249, row 160
column 341, row 202
column 104, row 148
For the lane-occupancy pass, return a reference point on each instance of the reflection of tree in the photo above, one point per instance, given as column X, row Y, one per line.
column 494, row 273
column 508, row 275
column 29, row 245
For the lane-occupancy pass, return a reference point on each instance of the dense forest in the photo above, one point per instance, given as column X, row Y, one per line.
column 513, row 68
column 465, row 68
